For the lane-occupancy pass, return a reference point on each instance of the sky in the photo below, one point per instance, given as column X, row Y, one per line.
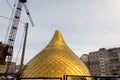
column 86, row 25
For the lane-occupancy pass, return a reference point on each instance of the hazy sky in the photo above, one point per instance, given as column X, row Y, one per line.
column 86, row 25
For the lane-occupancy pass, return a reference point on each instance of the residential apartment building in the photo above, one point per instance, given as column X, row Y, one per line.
column 114, row 58
column 104, row 62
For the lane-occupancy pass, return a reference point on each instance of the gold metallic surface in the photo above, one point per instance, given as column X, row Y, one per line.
column 55, row 60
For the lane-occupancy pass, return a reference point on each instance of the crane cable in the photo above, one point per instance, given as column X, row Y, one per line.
column 9, row 5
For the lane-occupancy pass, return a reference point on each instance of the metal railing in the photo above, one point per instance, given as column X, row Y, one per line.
column 65, row 77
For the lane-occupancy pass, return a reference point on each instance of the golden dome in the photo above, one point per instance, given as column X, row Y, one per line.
column 55, row 60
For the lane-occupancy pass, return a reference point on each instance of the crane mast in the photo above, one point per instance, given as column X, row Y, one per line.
column 13, row 31
column 6, row 50
column 15, row 23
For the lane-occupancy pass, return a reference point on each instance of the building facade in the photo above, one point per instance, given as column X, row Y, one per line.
column 104, row 62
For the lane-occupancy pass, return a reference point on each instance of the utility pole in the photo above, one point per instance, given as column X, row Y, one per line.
column 23, row 51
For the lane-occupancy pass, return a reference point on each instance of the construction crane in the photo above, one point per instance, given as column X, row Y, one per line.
column 6, row 52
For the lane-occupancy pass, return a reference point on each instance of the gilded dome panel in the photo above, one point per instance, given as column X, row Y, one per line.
column 55, row 60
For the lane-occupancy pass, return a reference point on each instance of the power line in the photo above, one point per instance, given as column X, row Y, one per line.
column 10, row 19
